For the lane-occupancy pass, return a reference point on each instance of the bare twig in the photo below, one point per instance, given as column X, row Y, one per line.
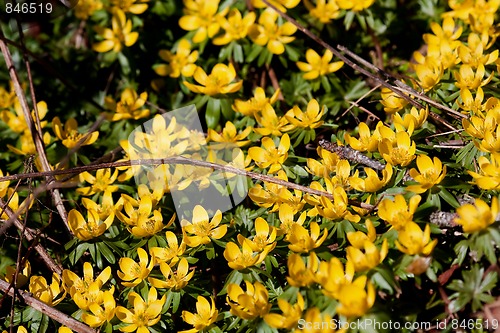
column 351, row 155
column 57, row 315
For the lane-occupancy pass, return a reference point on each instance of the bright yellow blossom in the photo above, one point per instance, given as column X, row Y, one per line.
column 479, row 216
column 332, row 276
column 69, row 133
column 310, row 119
column 17, row 122
column 120, row 34
column 249, row 304
column 354, row 299
column 101, row 182
column 265, row 236
column 326, row 166
column 362, row 253
column 74, row 284
column 105, row 209
column 218, row 82
column 317, row 66
column 286, row 216
column 470, row 103
column 410, row 121
column 22, row 276
column 315, row 322
column 50, row 294
column 4, row 186
column 467, row 78
column 229, row 137
column 85, row 8
column 92, row 227
column 144, row 313
column 204, row 317
column 256, row 103
column 269, row 33
column 298, row 274
column 20, row 329
column 235, row 27
column 371, row 183
column 201, row 228
column 301, row 241
column 412, row 240
column 429, row 173
column 91, row 295
column 175, row 281
column 398, row 213
column 201, row 16
column 131, row 6
column 391, row 101
column 324, row 11
column 180, row 62
column 270, row 155
column 240, row 259
column 132, row 273
column 429, row 72
column 489, row 176
column 282, row 5
column 473, row 55
column 366, row 142
column 291, row 314
column 270, row 123
column 449, row 32
column 332, row 209
column 100, row 314
column 355, row 5
column 171, row 253
column 401, row 151
column 129, row 106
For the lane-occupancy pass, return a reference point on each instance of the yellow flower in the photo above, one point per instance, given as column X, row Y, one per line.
column 489, row 177
column 470, row 103
column 429, row 174
column 265, row 236
column 282, row 5
column 310, row 119
column 171, row 253
column 468, row 79
column 371, row 183
column 205, row 316
column 366, row 142
column 478, row 126
column 63, row 329
column 315, row 322
column 300, row 239
column 143, row 314
column 270, row 123
column 249, row 304
column 22, row 276
column 332, row 209
column 298, row 274
column 91, row 228
column 201, row 16
column 91, row 295
column 218, row 82
column 286, row 216
column 49, row 294
column 413, row 120
column 412, row 240
column 235, row 27
column 103, row 314
column 69, row 133
column 132, row 273
column 120, row 34
column 391, row 101
column 17, row 122
column 201, row 229
column 180, row 62
column 175, row 281
column 354, row 299
column 131, row 6
column 229, row 138
column 256, row 103
column 397, row 212
column 326, row 166
column 448, row 33
column 20, row 329
column 267, row 32
column 4, row 186
column 85, row 8
column 317, row 66
column 429, row 73
column 478, row 216
column 241, row 259
column 129, row 106
column 74, row 284
column 291, row 314
column 101, row 182
column 401, row 151
column 355, row 5
column 332, row 276
column 472, row 53
column 324, row 11
column 7, row 98
column 105, row 209
column 271, row 155
column 363, row 254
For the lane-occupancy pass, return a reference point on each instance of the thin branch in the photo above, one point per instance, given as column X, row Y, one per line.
column 57, row 315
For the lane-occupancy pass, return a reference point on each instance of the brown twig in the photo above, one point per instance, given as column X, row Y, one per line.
column 57, row 315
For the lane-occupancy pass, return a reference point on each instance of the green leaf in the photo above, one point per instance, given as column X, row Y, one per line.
column 449, row 198
column 106, row 252
column 212, row 116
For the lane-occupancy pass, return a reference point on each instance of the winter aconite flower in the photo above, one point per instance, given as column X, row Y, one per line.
column 489, row 176
column 92, row 227
column 363, row 253
column 249, row 304
column 429, row 173
column 240, row 259
column 317, row 66
column 310, row 119
column 355, row 5
column 270, row 123
column 479, row 216
column 180, row 62
column 229, row 138
column 130, row 106
column 201, row 16
column 120, row 34
column 398, row 213
column 175, row 281
column 101, row 182
column 269, row 33
column 101, row 313
column 131, row 6
column 291, row 314
column 217, row 83
column 300, row 275
column 270, row 155
column 301, row 241
column 235, row 27
column 201, row 230
column 256, row 103
column 412, row 240
column 69, row 134
column 143, row 314
column 204, row 317
column 356, row 298
column 325, row 11
column 132, row 273
column 51, row 294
